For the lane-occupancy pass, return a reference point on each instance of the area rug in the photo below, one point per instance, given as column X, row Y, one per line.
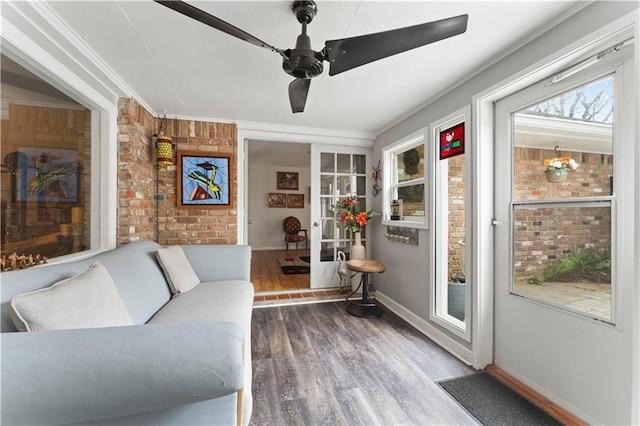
column 295, row 265
column 494, row 403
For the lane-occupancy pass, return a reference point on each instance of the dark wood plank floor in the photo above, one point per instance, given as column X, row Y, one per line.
column 316, row 364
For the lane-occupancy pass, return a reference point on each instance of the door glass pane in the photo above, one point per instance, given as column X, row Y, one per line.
column 362, row 186
column 359, row 162
column 327, row 185
column 564, row 145
column 344, row 185
column 327, row 162
column 562, row 256
column 344, row 163
column 328, row 229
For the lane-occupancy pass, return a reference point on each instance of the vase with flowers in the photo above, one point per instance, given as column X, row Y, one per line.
column 353, row 219
column 557, row 168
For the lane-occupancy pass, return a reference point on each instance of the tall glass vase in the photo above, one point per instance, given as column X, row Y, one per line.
column 357, row 249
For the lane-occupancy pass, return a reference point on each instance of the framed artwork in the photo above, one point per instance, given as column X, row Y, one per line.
column 46, row 174
column 204, row 180
column 277, row 199
column 295, row 201
column 288, row 180
column 452, row 141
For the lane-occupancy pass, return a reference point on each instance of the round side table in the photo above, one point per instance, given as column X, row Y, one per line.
column 364, row 308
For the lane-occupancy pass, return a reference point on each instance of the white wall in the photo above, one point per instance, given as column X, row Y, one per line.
column 265, row 223
column 408, row 287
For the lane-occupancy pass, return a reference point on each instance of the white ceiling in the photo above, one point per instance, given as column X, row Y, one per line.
column 179, row 65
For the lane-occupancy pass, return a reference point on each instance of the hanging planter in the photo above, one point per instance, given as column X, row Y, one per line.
column 558, row 168
column 555, row 176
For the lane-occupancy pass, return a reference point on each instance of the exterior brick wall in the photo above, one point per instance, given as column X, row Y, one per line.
column 457, row 206
column 544, row 236
column 140, row 215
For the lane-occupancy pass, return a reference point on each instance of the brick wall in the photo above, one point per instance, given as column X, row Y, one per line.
column 198, row 225
column 140, row 215
column 136, row 173
column 456, row 212
column 544, row 236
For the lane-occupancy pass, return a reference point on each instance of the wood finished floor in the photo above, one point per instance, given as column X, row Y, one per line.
column 316, row 364
column 267, row 276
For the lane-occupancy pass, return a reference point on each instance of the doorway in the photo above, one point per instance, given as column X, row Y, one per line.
column 276, row 268
column 559, row 238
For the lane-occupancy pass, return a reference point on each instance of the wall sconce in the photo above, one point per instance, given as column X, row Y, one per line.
column 164, row 144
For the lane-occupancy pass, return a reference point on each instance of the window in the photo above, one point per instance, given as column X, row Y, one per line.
column 54, row 168
column 451, row 282
column 405, row 182
column 562, row 200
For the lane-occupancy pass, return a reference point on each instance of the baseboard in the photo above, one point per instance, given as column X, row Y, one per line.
column 458, row 350
column 558, row 412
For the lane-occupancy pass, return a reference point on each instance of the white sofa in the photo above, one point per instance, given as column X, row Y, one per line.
column 183, row 360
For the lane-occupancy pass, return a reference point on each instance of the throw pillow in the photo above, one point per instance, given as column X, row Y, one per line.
column 89, row 299
column 177, row 269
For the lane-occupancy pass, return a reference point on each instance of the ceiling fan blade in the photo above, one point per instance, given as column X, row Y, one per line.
column 298, row 90
column 349, row 53
column 217, row 23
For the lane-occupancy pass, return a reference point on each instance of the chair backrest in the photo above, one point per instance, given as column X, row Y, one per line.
column 291, row 225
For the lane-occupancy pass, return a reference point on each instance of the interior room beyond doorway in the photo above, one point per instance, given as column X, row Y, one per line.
column 278, row 187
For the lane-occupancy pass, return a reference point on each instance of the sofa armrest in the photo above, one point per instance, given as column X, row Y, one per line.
column 219, row 262
column 70, row 376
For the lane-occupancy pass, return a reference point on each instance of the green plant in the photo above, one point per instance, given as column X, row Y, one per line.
column 581, row 266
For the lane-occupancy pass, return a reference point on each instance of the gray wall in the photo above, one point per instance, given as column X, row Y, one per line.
column 405, row 280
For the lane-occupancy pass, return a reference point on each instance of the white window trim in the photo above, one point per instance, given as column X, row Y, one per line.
column 446, row 321
column 104, row 125
column 388, row 179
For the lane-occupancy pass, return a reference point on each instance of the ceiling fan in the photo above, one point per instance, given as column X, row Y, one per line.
column 304, row 63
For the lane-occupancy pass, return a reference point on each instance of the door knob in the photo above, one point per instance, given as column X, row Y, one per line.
column 316, row 224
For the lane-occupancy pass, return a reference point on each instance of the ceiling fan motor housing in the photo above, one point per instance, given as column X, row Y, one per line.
column 303, row 62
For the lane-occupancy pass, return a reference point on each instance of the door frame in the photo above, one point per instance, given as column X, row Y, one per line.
column 247, row 131
column 482, row 216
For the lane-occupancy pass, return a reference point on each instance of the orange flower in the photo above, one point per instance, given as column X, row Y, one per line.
column 361, row 219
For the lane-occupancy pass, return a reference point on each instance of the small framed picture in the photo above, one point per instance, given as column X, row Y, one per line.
column 288, row 180
column 204, row 180
column 452, row 141
column 295, row 201
column 277, row 199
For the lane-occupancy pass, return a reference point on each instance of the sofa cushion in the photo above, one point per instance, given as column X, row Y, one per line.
column 89, row 299
column 177, row 269
column 231, row 301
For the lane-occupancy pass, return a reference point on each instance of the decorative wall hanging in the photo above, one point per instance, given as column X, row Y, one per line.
column 376, row 175
column 204, row 180
column 288, row 180
column 452, row 141
column 557, row 169
column 295, row 201
column 277, row 199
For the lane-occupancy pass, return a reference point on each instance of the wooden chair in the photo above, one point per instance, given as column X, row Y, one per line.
column 292, row 230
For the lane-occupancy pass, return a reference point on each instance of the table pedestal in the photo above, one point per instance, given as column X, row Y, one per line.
column 364, row 308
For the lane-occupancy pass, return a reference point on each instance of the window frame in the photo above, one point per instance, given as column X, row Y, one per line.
column 103, row 136
column 390, row 179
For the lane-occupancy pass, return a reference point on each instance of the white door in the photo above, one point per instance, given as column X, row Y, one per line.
column 563, row 248
column 336, row 171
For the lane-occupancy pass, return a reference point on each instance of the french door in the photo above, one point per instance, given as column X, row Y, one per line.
column 562, row 239
column 336, row 171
